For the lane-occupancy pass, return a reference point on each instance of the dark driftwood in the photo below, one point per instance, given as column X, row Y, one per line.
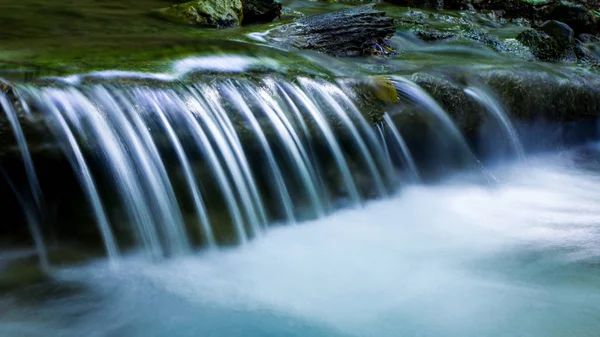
column 349, row 32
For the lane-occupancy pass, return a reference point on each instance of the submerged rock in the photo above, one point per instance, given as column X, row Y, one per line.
column 206, row 13
column 260, row 11
column 350, row 32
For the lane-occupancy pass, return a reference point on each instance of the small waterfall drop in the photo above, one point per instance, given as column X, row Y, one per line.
column 420, row 97
column 33, row 220
column 402, row 149
column 208, row 164
column 493, row 107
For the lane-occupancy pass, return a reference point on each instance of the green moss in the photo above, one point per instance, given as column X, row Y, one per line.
column 43, row 38
column 536, row 2
column 206, row 13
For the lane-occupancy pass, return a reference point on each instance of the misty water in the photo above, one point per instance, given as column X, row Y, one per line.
column 455, row 258
column 164, row 180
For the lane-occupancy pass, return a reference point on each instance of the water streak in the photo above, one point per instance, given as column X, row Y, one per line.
column 494, row 108
column 34, row 185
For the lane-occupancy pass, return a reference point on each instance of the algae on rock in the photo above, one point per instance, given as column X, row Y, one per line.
column 206, row 13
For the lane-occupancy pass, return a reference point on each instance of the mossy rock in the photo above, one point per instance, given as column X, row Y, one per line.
column 547, row 48
column 384, row 89
column 260, row 11
column 206, row 13
column 577, row 16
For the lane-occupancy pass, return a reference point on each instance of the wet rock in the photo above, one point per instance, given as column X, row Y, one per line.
column 206, row 13
column 383, row 89
column 547, row 48
column 260, row 11
column 506, row 8
column 588, row 38
column 566, row 106
column 588, row 53
column 432, row 4
column 577, row 16
column 350, row 32
column 289, row 13
column 559, row 31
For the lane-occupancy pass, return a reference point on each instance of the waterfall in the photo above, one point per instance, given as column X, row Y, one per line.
column 402, row 149
column 493, row 107
column 207, row 164
column 33, row 219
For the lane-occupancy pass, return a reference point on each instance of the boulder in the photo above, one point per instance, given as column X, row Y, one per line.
column 355, row 31
column 560, row 31
column 260, row 11
column 576, row 15
column 206, row 13
column 547, row 48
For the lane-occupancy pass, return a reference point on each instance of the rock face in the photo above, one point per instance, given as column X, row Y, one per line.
column 545, row 47
column 260, row 11
column 206, row 13
column 577, row 16
column 553, row 41
column 222, row 13
column 559, row 31
column 350, row 32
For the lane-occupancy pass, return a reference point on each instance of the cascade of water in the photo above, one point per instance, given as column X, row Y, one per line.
column 100, row 135
column 124, row 135
column 423, row 99
column 187, row 168
column 286, row 200
column 213, row 98
column 493, row 107
column 229, row 147
column 156, row 183
column 32, row 224
column 367, row 131
column 403, row 151
column 292, row 144
column 308, row 155
column 62, row 132
column 187, row 113
column 383, row 140
column 34, row 185
column 332, row 142
column 323, row 92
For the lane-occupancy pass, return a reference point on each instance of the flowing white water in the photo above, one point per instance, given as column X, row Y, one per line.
column 332, row 142
column 419, row 96
column 403, row 151
column 309, row 155
column 516, row 259
column 494, row 108
column 323, row 92
column 72, row 150
column 125, row 135
column 187, row 167
column 33, row 220
column 281, row 187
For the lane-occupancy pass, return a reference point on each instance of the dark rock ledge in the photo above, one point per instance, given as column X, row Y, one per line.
column 356, row 31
